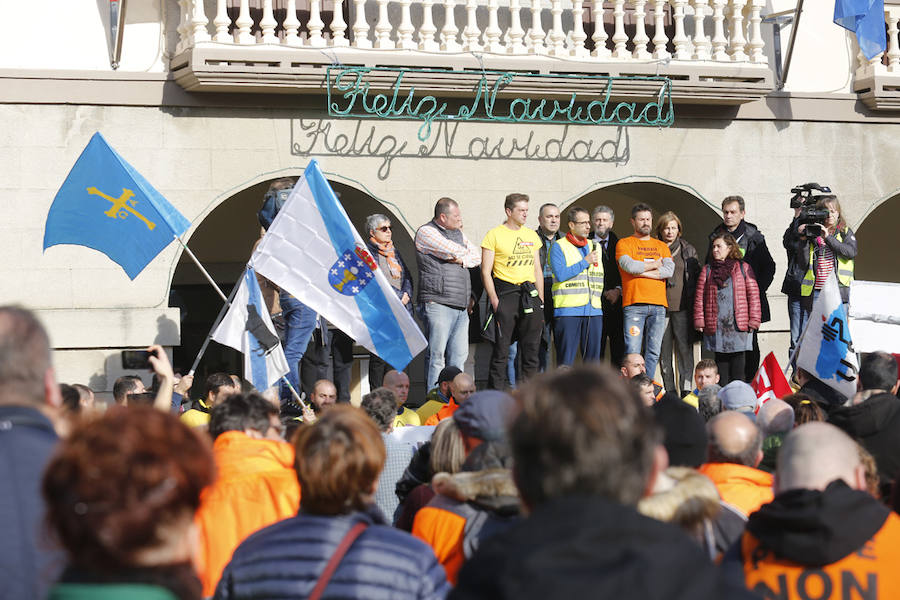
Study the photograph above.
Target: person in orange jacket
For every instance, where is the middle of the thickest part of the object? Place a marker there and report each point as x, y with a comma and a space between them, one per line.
734, 452
823, 535
257, 483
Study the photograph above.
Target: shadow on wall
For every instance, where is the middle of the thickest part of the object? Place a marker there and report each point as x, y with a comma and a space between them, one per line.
879, 244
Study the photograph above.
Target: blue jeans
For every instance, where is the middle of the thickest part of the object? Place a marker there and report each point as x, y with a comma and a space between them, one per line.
447, 330
644, 328
574, 332
299, 323
798, 317
511, 370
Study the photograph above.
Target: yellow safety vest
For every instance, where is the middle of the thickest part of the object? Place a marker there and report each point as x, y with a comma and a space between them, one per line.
585, 287
844, 270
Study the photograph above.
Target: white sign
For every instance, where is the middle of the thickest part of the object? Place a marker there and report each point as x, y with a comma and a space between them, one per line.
875, 316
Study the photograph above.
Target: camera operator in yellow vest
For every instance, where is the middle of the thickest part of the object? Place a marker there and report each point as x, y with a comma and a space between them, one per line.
825, 249
577, 291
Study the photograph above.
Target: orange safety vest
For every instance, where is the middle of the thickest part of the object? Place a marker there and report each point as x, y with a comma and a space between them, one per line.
743, 487
869, 573
446, 411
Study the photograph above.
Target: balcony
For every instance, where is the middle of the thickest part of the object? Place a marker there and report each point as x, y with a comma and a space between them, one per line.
711, 50
877, 81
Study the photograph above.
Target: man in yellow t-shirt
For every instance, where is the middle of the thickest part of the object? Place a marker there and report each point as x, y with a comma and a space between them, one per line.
514, 282
645, 264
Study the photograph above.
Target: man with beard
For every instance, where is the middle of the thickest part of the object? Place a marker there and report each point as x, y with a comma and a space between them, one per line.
644, 263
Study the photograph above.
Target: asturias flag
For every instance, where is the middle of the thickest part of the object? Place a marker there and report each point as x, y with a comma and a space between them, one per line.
247, 328
770, 381
105, 204
866, 19
312, 251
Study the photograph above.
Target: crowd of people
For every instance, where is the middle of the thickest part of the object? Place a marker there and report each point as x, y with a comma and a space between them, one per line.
584, 481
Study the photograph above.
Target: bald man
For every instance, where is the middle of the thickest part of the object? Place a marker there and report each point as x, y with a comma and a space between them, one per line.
823, 536
398, 382
734, 452
461, 388
775, 419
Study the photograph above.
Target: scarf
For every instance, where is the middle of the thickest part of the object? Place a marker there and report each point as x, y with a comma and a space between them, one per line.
579, 242
387, 251
720, 271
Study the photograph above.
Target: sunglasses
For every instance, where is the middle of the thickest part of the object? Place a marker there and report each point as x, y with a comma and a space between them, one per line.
384, 228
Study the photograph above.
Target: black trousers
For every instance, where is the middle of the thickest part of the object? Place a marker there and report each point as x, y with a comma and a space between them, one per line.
377, 369
333, 349
614, 333
528, 328
751, 363
731, 366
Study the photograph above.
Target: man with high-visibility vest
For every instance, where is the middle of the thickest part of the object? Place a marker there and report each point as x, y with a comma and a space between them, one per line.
577, 291
823, 536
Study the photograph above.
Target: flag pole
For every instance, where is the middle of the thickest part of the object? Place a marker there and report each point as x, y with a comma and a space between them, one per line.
205, 274
220, 316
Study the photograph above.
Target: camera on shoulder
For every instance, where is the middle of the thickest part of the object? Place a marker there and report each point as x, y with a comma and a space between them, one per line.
806, 198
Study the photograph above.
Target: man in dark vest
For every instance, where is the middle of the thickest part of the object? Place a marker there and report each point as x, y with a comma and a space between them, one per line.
445, 255
548, 231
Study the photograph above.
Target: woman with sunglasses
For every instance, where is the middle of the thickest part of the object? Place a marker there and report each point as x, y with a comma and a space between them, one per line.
379, 239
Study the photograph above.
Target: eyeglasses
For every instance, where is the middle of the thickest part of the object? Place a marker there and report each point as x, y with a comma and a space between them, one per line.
384, 228
582, 222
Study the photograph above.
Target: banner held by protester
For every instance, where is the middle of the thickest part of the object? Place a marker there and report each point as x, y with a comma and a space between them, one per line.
826, 349
247, 327
105, 204
770, 382
313, 252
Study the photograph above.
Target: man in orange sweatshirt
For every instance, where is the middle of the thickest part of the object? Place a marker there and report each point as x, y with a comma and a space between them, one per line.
257, 484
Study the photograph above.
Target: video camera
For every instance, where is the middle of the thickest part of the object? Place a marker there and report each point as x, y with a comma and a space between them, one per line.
805, 199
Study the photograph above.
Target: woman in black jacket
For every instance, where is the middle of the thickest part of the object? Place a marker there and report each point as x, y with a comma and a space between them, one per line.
680, 297
339, 459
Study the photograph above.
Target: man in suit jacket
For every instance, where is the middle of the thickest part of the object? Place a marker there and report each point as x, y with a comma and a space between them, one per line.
603, 219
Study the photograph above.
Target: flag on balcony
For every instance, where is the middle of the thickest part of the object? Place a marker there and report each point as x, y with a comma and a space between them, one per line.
826, 350
247, 328
312, 251
105, 204
866, 19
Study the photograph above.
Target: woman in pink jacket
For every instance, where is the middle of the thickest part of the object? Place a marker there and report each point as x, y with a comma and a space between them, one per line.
726, 307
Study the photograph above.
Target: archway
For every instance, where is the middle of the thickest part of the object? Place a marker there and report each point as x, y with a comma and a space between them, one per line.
223, 243
879, 243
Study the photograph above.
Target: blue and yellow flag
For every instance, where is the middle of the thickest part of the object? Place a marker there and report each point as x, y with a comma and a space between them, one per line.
105, 204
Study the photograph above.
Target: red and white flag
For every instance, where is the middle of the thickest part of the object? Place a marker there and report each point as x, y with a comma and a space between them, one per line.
770, 381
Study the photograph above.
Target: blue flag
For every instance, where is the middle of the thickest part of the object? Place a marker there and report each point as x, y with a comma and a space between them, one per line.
105, 204
866, 19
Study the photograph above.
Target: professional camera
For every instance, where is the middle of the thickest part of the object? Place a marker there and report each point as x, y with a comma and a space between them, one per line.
804, 199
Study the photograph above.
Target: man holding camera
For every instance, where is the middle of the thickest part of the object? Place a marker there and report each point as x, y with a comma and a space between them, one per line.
818, 243
753, 246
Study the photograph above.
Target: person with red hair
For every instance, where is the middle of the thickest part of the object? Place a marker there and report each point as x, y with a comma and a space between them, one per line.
121, 493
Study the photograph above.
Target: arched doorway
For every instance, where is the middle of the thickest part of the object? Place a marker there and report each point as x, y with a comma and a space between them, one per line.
879, 244
223, 243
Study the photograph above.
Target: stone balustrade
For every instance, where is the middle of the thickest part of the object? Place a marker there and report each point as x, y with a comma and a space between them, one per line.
693, 41
878, 80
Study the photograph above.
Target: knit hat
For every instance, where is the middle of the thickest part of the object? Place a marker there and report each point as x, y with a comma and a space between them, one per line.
684, 429
739, 396
486, 415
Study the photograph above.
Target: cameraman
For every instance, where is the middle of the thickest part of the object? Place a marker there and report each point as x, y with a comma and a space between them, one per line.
815, 250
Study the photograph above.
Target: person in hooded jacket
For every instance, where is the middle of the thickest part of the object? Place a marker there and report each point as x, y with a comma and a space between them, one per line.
823, 535
339, 459
585, 451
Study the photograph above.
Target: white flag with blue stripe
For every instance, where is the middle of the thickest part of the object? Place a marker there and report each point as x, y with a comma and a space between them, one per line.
247, 327
312, 251
826, 349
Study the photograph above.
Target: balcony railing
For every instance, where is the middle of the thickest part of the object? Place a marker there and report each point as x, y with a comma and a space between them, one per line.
713, 50
877, 81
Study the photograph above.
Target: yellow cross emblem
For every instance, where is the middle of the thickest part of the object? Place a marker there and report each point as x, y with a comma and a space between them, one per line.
121, 206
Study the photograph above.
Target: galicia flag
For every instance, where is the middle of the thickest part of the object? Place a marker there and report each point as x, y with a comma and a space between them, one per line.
247, 328
770, 381
313, 252
866, 19
105, 204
